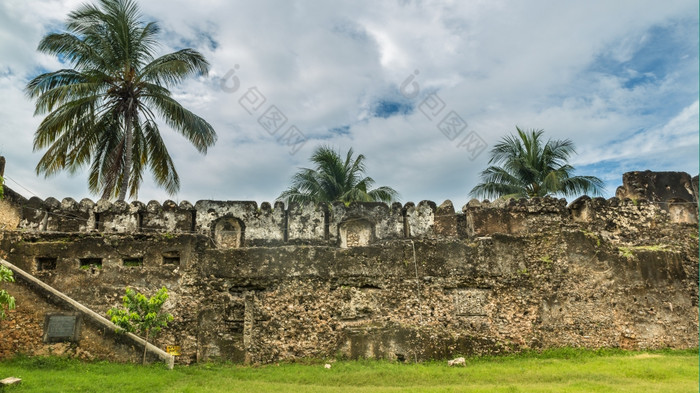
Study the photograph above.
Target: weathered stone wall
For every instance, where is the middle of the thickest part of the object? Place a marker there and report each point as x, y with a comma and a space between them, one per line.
243, 224
660, 187
23, 329
266, 283
27, 329
550, 283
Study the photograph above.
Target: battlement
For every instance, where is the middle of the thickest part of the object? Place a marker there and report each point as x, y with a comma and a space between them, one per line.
233, 224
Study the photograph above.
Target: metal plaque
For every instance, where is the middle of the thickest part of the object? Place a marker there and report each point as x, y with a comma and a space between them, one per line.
62, 327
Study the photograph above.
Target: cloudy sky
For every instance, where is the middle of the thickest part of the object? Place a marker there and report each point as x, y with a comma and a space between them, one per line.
422, 88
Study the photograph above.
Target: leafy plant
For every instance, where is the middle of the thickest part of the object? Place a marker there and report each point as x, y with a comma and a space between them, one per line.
141, 314
6, 300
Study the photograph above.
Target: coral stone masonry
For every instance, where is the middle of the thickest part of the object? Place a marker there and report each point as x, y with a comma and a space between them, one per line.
263, 283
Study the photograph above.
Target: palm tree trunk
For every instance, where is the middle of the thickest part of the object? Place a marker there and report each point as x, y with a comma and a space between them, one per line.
127, 160
145, 346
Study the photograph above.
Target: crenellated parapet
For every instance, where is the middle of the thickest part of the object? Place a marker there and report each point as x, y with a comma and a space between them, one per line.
514, 216
241, 223
420, 219
307, 223
359, 224
169, 217
54, 216
233, 224
662, 188
632, 214
119, 216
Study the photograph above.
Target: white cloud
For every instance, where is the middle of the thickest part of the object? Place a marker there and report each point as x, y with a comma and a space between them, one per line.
325, 64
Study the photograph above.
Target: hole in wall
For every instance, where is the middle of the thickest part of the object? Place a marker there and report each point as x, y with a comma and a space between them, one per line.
171, 258
88, 263
46, 263
132, 262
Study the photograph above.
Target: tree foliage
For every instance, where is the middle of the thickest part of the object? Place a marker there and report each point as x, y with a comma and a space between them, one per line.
6, 300
335, 179
102, 112
141, 314
527, 166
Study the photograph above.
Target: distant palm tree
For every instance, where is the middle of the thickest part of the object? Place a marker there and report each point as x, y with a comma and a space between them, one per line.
530, 168
335, 179
103, 110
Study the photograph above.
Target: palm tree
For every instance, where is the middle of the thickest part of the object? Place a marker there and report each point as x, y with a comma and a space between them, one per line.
104, 109
530, 168
335, 180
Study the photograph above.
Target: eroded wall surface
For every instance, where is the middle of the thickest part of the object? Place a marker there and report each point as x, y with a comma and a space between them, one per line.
268, 283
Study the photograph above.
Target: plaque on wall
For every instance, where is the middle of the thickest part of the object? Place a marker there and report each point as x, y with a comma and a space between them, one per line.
62, 327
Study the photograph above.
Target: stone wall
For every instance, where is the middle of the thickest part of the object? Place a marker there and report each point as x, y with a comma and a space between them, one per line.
23, 329
267, 283
525, 274
401, 300
660, 187
244, 224
32, 329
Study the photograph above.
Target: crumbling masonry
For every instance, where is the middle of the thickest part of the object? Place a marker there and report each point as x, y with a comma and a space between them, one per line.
267, 283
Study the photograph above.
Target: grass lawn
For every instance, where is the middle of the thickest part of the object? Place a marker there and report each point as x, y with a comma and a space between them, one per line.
563, 370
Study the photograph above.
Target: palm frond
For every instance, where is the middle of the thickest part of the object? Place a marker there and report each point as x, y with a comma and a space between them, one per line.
173, 68
101, 112
528, 167
335, 179
194, 128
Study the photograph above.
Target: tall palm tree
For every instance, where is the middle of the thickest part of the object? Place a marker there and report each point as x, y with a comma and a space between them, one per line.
104, 109
530, 167
335, 179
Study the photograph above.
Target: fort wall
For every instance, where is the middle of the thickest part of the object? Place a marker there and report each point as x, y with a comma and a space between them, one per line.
270, 282
328, 224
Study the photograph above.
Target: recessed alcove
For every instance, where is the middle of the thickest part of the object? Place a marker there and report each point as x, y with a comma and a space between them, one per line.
46, 263
229, 232
355, 232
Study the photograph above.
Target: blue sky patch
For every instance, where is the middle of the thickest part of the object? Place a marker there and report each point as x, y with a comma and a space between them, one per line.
388, 108
655, 54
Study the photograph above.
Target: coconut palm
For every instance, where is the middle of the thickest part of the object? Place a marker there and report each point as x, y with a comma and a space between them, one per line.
335, 179
103, 110
526, 166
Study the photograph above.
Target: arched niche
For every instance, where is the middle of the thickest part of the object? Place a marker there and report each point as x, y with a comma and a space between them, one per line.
355, 232
228, 232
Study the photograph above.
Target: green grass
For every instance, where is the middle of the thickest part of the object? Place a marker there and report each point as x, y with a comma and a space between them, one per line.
563, 370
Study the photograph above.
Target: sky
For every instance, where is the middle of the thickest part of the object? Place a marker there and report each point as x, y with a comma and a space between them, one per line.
424, 89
